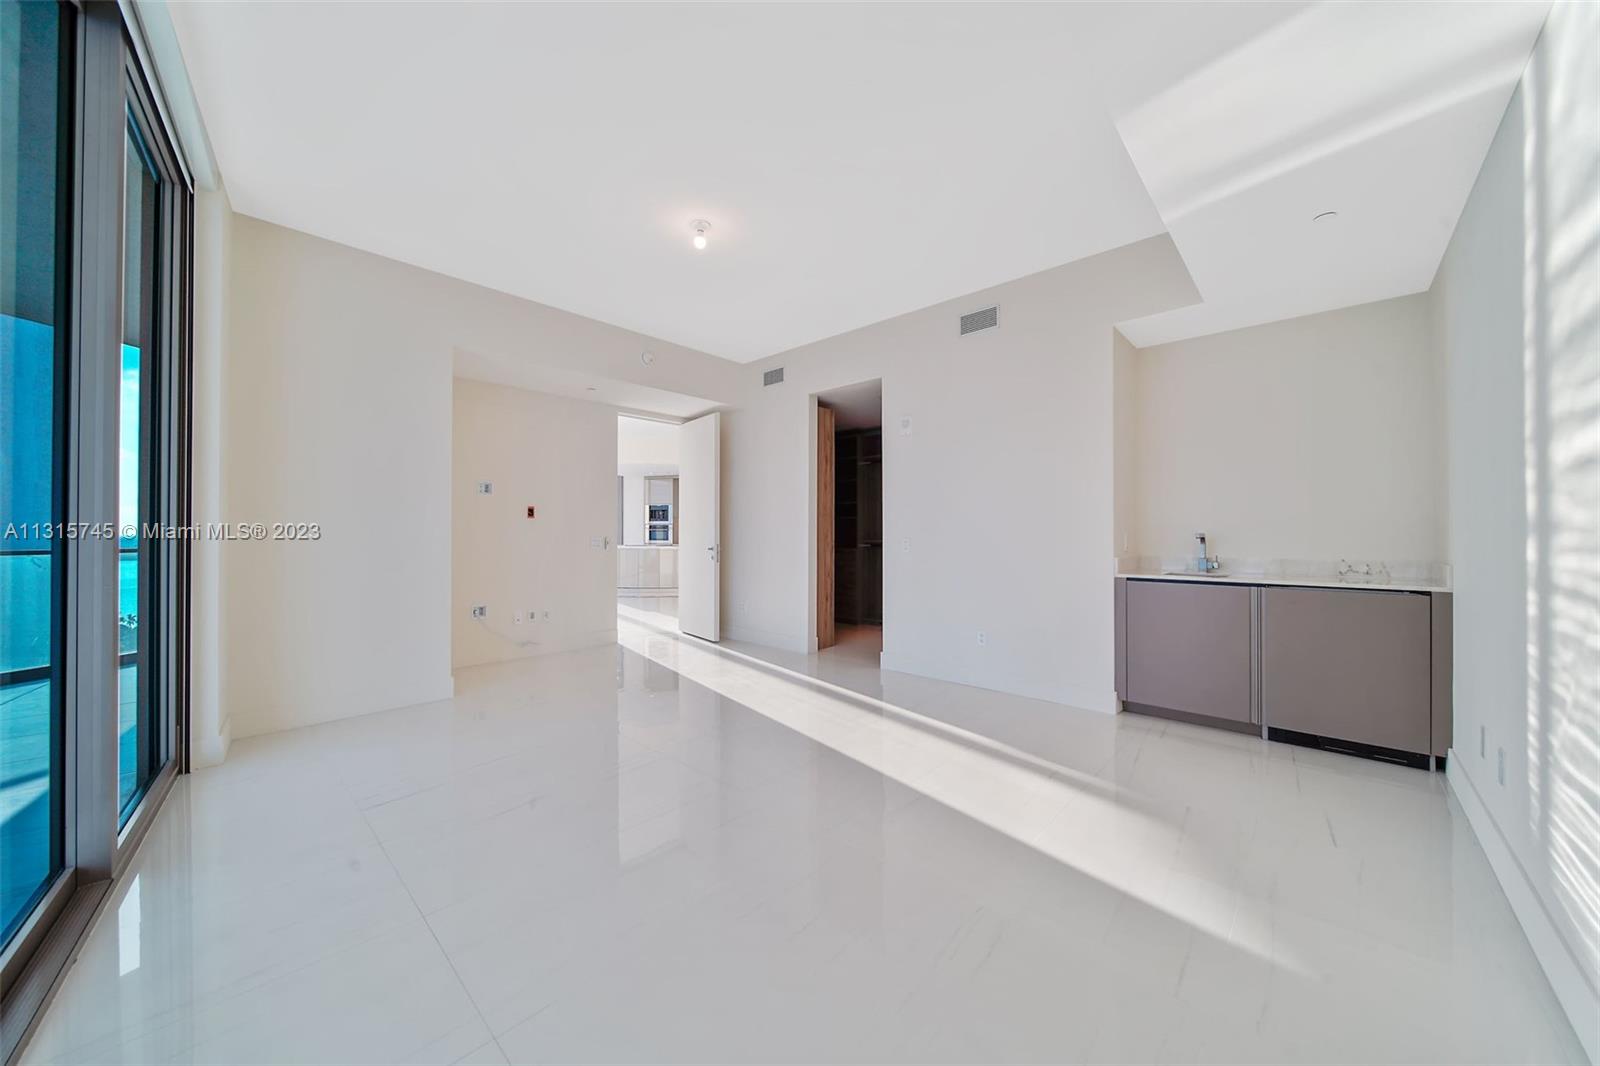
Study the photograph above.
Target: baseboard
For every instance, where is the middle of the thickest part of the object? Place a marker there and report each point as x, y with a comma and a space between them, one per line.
1572, 988
279, 720
587, 639
1083, 701
767, 638
212, 751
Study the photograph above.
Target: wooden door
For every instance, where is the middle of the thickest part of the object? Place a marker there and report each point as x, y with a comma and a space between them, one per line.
827, 631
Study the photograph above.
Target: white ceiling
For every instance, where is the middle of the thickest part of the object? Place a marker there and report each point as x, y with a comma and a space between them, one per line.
855, 161
1381, 112
860, 161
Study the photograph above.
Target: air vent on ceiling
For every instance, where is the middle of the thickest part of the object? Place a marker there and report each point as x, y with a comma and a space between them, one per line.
772, 377
985, 319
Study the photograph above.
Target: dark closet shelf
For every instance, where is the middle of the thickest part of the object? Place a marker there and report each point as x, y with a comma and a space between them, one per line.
858, 526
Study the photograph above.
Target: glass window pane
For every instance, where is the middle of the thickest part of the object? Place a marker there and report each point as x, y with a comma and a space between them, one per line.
138, 755
31, 473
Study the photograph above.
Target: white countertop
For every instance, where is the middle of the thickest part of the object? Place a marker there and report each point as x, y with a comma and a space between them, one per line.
1299, 582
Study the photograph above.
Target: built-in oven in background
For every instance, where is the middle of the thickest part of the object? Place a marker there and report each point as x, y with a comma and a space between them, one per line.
659, 527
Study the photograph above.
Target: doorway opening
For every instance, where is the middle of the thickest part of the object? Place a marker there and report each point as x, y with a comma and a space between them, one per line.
669, 520
648, 516
850, 516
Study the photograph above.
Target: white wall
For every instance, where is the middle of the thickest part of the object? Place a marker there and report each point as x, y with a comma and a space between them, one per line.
559, 455
1315, 438
633, 509
642, 442
1518, 320
997, 504
210, 724
337, 410
1124, 444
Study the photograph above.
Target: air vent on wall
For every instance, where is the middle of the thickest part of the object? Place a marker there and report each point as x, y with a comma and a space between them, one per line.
772, 377
972, 323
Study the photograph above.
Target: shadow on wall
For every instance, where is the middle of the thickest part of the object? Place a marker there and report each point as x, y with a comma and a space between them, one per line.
1561, 379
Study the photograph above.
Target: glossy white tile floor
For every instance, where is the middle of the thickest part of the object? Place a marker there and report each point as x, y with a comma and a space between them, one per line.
662, 852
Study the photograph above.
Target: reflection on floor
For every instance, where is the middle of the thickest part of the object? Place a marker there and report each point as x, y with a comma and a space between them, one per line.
25, 782
661, 608
852, 662
667, 851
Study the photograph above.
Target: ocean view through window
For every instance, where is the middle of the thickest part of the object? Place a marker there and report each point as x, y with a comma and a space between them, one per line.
137, 755
32, 475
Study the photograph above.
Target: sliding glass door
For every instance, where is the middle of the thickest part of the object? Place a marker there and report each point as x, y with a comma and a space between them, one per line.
95, 213
32, 468
139, 755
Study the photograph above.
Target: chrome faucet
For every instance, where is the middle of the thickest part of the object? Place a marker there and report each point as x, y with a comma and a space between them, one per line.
1205, 564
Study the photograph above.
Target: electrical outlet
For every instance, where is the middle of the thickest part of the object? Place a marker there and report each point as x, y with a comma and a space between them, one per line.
547, 616
485, 488
1502, 767
480, 610
516, 618
533, 614
905, 544
983, 639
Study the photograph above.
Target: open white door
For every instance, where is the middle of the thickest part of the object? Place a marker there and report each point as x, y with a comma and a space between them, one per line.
699, 527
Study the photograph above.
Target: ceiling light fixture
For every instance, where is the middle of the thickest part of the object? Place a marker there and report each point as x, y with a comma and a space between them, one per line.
700, 226
1324, 216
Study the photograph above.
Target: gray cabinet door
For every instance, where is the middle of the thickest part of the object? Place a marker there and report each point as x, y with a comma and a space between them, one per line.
1353, 665
1188, 647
